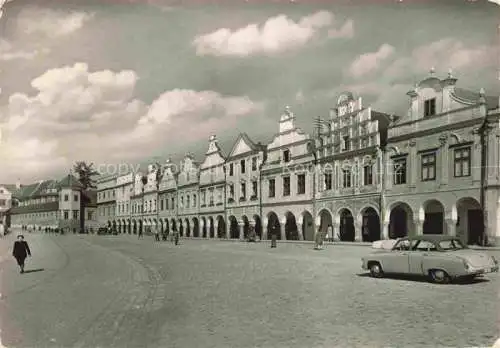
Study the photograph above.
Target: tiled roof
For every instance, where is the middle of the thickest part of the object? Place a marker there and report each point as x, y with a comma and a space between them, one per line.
10, 187
491, 101
70, 181
35, 208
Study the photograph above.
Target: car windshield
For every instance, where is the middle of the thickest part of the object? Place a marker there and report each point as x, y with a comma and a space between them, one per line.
451, 244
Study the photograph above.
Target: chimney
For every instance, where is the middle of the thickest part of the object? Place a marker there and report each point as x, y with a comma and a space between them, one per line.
18, 184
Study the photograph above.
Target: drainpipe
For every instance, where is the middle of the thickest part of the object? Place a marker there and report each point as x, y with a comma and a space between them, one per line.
483, 133
264, 158
315, 160
383, 168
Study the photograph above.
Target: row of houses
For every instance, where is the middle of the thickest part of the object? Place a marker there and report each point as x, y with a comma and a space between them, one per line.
364, 175
53, 204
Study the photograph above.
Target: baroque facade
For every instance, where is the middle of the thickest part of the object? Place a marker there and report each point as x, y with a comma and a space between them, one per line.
364, 175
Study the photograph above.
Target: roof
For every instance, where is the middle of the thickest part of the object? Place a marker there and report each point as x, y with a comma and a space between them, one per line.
253, 146
491, 101
10, 187
35, 208
70, 181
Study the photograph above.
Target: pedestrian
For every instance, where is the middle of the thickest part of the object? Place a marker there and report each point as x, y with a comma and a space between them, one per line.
176, 237
274, 237
20, 251
157, 234
140, 233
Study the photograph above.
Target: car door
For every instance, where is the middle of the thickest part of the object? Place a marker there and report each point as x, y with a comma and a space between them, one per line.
397, 260
420, 251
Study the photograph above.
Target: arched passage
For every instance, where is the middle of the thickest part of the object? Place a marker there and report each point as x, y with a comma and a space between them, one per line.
370, 225
291, 230
211, 227
233, 228
346, 227
434, 217
196, 228
470, 221
273, 226
326, 224
188, 228
400, 220
221, 227
258, 226
246, 227
307, 226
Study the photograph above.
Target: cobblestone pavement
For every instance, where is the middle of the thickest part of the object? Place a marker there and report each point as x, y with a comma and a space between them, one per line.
117, 291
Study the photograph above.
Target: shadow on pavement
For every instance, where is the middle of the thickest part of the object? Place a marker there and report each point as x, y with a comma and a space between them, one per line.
421, 279
34, 270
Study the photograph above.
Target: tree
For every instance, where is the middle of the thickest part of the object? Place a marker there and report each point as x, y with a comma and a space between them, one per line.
86, 174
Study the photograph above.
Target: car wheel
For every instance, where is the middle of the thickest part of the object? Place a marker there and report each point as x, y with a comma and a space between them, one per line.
439, 276
376, 270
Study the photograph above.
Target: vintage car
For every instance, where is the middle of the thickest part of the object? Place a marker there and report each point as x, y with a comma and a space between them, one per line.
441, 258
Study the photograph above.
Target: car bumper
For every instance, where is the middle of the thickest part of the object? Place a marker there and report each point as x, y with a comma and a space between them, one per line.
483, 270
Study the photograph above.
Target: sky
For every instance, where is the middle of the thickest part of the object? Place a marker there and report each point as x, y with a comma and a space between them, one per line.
129, 82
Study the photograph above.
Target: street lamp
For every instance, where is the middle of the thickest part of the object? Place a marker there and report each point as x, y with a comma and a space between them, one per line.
144, 180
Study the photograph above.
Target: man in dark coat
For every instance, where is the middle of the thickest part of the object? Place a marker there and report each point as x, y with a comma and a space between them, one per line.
274, 236
20, 251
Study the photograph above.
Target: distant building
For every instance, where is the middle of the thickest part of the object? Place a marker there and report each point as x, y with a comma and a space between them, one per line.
6, 191
187, 195
106, 201
53, 204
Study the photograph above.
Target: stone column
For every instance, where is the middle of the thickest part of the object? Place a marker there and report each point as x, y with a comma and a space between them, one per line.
451, 227
476, 156
385, 230
283, 232
419, 224
216, 226
300, 230
358, 236
265, 227
241, 230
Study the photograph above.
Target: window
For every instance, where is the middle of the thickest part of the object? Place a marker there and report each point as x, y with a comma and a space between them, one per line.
231, 190
66, 214
347, 143
243, 190
231, 169
301, 184
399, 171
211, 197
166, 203
462, 162
254, 188
75, 214
254, 163
188, 201
272, 187
3, 202
75, 197
194, 200
346, 175
242, 164
286, 155
328, 181
428, 170
173, 203
368, 175
425, 245
182, 202
286, 186
66, 198
430, 107
161, 204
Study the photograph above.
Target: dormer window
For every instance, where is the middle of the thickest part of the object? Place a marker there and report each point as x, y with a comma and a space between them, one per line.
286, 156
430, 107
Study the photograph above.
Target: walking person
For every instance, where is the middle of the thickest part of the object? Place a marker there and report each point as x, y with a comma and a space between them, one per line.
20, 251
274, 237
157, 234
176, 237
140, 233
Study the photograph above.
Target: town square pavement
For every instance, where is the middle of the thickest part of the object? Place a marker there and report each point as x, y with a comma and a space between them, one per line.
118, 291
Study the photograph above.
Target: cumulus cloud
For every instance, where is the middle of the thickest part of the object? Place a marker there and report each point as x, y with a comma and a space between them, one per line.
35, 28
444, 54
346, 31
277, 34
370, 62
79, 114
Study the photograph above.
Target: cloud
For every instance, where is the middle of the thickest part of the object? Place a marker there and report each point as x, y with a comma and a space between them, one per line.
277, 34
347, 31
49, 22
78, 114
36, 29
444, 54
370, 62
